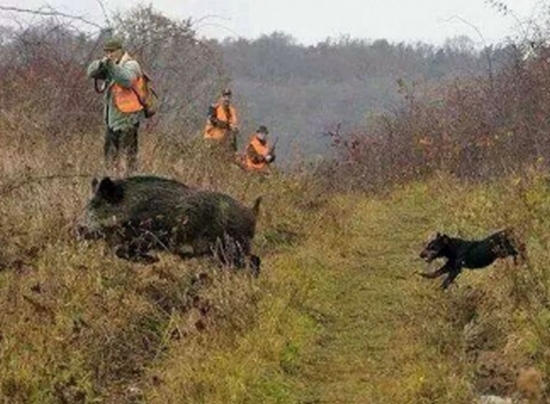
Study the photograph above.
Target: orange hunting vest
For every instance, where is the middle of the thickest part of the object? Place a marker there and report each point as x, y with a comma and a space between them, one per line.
126, 99
261, 149
213, 132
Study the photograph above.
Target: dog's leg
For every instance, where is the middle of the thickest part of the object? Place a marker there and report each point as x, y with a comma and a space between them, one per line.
435, 274
450, 278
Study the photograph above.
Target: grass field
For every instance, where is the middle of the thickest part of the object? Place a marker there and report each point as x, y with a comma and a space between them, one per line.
338, 314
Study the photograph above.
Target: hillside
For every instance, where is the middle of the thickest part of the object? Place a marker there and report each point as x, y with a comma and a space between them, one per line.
303, 92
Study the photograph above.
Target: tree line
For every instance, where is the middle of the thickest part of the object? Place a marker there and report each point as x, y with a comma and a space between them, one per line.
304, 94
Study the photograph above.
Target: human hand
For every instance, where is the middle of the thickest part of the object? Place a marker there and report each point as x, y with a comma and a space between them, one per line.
104, 60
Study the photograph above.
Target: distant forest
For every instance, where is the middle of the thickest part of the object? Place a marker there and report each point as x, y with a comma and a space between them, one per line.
303, 92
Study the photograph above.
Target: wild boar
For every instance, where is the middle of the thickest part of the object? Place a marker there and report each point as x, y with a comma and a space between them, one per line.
137, 215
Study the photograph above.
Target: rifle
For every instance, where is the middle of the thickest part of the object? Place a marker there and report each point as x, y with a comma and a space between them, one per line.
270, 158
273, 146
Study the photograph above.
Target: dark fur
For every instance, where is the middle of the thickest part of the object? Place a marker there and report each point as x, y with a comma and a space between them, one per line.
472, 254
137, 215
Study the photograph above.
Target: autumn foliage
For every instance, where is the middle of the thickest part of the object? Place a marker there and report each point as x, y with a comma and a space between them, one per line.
475, 128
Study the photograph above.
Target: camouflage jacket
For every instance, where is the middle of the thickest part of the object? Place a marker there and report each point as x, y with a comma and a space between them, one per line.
123, 73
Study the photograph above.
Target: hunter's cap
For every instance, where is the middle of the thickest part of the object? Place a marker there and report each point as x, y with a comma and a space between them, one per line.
262, 129
226, 91
112, 44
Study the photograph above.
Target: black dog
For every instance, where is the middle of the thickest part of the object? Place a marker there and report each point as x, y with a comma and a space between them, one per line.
469, 253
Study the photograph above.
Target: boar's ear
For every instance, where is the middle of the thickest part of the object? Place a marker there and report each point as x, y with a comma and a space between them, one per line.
110, 191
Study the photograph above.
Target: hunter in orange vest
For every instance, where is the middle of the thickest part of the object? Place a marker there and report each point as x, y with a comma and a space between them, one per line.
122, 85
222, 121
258, 154
128, 99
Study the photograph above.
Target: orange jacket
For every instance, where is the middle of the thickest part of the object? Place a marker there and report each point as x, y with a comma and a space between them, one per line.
212, 131
256, 154
126, 99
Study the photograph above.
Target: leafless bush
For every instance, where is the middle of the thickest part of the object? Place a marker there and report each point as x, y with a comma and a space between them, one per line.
475, 128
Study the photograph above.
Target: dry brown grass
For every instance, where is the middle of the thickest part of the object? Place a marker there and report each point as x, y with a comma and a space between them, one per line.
336, 316
80, 325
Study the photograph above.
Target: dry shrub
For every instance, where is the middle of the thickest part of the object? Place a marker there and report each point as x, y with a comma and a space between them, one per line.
530, 383
475, 128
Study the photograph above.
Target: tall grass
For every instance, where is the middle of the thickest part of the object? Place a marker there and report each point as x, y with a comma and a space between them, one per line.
337, 315
79, 325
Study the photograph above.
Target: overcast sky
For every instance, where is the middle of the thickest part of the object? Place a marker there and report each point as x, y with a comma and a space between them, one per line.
309, 21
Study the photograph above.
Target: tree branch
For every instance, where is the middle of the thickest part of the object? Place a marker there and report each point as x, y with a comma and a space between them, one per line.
52, 13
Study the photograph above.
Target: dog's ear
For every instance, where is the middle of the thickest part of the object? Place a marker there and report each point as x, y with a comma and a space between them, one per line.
445, 238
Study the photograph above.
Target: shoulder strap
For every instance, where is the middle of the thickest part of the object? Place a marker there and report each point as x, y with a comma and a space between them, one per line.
137, 94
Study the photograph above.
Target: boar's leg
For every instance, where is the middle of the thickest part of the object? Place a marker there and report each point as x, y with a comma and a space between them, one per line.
130, 249
235, 253
230, 252
255, 264
184, 255
130, 253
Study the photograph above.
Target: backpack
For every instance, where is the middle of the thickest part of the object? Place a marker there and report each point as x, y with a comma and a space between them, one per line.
150, 100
